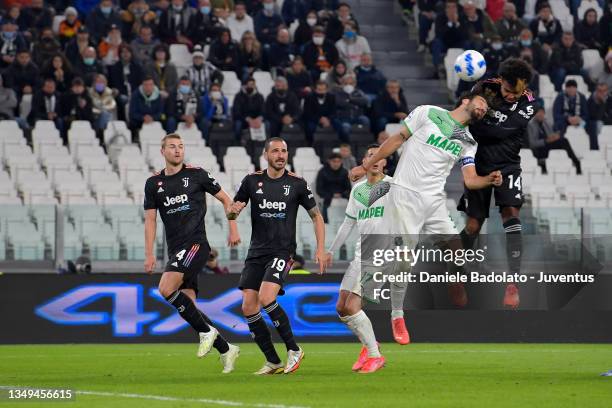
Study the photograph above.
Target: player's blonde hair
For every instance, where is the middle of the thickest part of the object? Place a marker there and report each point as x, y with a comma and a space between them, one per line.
170, 136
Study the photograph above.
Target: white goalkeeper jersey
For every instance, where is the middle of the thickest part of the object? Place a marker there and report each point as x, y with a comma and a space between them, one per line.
436, 143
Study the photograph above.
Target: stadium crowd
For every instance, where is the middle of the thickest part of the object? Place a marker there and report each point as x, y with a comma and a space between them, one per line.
106, 60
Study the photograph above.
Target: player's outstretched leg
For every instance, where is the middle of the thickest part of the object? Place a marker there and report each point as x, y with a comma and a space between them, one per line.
267, 297
169, 285
350, 313
514, 250
260, 333
398, 325
607, 374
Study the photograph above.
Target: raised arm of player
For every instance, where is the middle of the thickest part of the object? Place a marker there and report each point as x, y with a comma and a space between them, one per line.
388, 147
319, 228
150, 227
343, 232
474, 182
234, 236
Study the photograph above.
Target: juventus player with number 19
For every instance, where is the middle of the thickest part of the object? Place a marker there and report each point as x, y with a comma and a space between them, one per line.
179, 193
276, 195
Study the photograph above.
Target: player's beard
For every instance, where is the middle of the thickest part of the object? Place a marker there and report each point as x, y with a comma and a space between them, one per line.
277, 166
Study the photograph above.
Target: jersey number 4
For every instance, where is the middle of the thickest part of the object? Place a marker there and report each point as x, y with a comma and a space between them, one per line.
512, 183
181, 254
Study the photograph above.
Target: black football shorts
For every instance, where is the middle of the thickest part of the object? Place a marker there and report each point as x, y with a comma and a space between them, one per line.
189, 259
475, 203
269, 268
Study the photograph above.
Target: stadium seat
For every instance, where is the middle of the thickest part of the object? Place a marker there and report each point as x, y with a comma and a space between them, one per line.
57, 20
180, 55
324, 141
231, 84
116, 131
593, 62
264, 82
579, 139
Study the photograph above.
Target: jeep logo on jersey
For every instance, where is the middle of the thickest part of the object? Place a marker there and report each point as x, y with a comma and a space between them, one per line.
179, 199
444, 144
273, 205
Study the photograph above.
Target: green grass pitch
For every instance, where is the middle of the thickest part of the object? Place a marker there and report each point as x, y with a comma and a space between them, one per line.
417, 375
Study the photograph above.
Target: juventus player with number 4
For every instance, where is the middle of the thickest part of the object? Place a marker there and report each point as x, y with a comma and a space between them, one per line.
179, 193
275, 196
500, 136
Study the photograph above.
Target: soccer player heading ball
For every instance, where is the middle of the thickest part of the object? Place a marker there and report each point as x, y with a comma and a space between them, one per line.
179, 193
500, 135
276, 195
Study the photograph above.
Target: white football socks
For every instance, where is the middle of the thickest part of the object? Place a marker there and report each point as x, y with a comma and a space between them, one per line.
361, 326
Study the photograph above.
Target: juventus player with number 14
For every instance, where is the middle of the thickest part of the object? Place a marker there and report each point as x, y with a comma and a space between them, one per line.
276, 195
179, 193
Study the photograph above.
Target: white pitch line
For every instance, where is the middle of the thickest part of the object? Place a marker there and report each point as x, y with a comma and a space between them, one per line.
174, 399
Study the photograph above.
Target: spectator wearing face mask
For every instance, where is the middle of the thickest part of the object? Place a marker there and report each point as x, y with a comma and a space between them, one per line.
69, 27
369, 79
351, 106
103, 100
102, 18
206, 25
215, 108
11, 42
76, 104
202, 73
282, 107
240, 22
352, 46
176, 23
88, 66
184, 106
300, 81
320, 55
539, 56
337, 22
304, 31
267, 21
248, 109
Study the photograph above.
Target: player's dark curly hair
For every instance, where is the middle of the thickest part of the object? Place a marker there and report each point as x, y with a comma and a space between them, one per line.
514, 70
476, 90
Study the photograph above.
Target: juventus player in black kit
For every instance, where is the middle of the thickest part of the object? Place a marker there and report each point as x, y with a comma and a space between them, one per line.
179, 193
500, 135
276, 195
